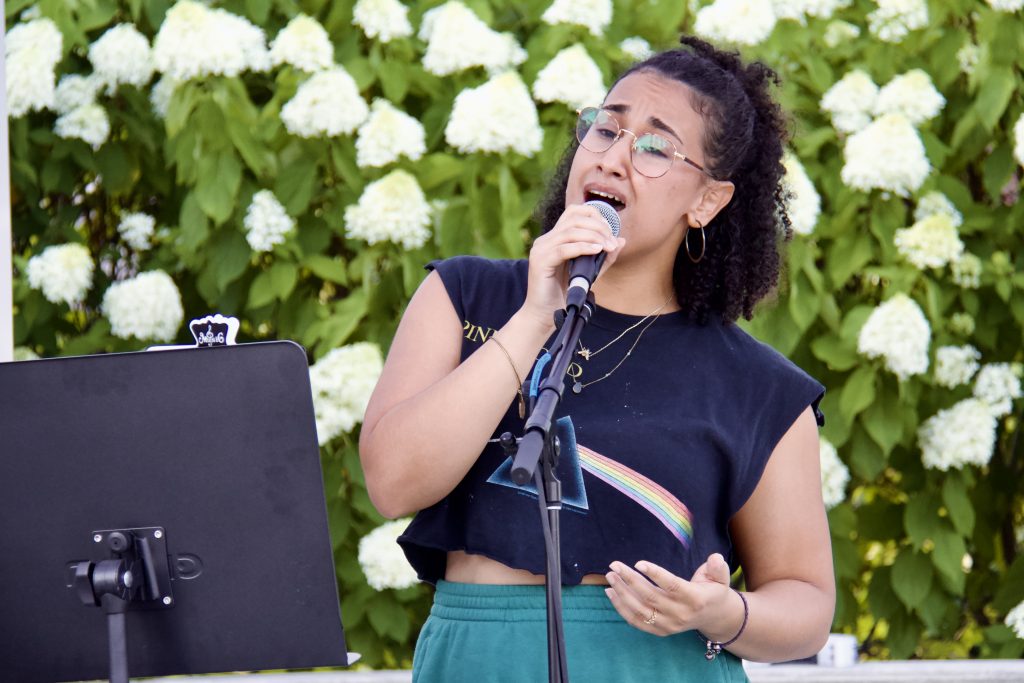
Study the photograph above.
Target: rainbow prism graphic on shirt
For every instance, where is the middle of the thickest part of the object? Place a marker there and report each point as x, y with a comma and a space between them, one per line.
574, 459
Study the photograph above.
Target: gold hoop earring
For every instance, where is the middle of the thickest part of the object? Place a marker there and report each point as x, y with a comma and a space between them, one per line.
703, 242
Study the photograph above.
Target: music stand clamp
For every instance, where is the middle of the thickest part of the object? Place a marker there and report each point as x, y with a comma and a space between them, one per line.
134, 575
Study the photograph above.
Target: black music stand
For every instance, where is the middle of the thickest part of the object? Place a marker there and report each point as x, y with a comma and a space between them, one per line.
205, 461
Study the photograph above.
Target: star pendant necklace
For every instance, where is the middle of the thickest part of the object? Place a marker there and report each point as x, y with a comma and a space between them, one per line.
587, 354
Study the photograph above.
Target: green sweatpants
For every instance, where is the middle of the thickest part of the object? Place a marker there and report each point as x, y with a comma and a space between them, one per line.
497, 634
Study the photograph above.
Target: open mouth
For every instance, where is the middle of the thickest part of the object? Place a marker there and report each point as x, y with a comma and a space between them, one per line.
607, 197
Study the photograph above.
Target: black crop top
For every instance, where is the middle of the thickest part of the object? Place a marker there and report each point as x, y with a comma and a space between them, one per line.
667, 448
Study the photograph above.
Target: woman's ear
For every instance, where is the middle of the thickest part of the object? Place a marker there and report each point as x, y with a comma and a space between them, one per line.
715, 197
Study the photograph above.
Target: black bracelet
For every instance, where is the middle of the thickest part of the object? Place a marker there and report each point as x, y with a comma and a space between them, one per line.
715, 647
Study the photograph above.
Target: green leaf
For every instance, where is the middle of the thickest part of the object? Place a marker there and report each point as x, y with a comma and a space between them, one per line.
231, 255
261, 292
394, 79
857, 251
958, 503
858, 392
324, 267
994, 95
948, 558
996, 170
296, 185
912, 577
193, 227
283, 276
388, 618
883, 420
343, 321
839, 354
866, 459
437, 169
217, 187
804, 302
921, 518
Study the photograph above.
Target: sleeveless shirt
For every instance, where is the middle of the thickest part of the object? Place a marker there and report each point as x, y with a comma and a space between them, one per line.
663, 453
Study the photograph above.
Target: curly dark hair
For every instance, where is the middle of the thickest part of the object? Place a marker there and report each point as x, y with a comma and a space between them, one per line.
745, 131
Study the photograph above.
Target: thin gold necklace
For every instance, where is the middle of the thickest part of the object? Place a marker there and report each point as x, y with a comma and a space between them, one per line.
578, 386
587, 354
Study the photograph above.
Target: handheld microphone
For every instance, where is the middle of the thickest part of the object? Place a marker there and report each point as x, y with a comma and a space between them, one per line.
583, 270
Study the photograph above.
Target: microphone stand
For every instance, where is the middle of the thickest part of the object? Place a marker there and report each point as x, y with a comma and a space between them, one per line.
539, 445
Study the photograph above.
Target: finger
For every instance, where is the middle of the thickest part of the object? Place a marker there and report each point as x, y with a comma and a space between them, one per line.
633, 612
613, 254
718, 568
663, 578
585, 216
643, 591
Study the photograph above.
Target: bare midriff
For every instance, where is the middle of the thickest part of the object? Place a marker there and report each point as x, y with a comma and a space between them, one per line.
466, 568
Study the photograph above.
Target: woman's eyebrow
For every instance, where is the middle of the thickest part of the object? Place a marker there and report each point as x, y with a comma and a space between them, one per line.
653, 121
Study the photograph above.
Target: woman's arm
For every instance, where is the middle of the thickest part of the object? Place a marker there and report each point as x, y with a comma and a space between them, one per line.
781, 534
430, 416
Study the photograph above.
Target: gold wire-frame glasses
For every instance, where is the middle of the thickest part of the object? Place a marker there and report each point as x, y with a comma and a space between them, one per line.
651, 154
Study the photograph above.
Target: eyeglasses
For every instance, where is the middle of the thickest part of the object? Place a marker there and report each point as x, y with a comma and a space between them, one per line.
651, 154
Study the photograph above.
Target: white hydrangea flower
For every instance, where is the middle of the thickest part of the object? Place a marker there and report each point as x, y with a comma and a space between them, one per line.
122, 55
88, 122
804, 203
160, 96
887, 155
74, 91
328, 104
966, 271
480, 118
1018, 140
936, 202
304, 44
388, 134
894, 19
968, 57
998, 386
571, 77
24, 353
266, 222
823, 9
196, 41
637, 48
911, 94
850, 101
32, 50
962, 435
147, 306
1006, 6
457, 39
594, 15
931, 242
342, 382
1015, 620
382, 559
898, 332
834, 475
838, 32
137, 230
384, 20
392, 208
740, 22
62, 272
956, 365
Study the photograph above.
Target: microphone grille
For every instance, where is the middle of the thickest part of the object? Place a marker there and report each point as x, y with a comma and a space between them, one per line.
610, 215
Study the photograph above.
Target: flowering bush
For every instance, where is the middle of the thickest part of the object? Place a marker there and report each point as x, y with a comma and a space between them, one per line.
173, 159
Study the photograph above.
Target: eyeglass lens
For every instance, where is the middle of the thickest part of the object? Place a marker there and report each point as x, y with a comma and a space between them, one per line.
651, 154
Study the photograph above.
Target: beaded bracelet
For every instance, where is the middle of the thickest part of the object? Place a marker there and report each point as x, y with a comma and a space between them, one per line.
519, 382
715, 647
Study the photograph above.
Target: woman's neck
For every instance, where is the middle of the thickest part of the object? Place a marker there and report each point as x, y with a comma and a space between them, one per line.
635, 291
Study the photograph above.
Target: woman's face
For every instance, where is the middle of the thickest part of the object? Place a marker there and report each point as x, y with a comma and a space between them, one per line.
654, 211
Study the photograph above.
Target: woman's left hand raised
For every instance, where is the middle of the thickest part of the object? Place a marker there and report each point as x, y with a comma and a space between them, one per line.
655, 600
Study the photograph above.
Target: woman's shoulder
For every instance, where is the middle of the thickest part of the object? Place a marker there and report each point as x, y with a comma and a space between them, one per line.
469, 268
483, 290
